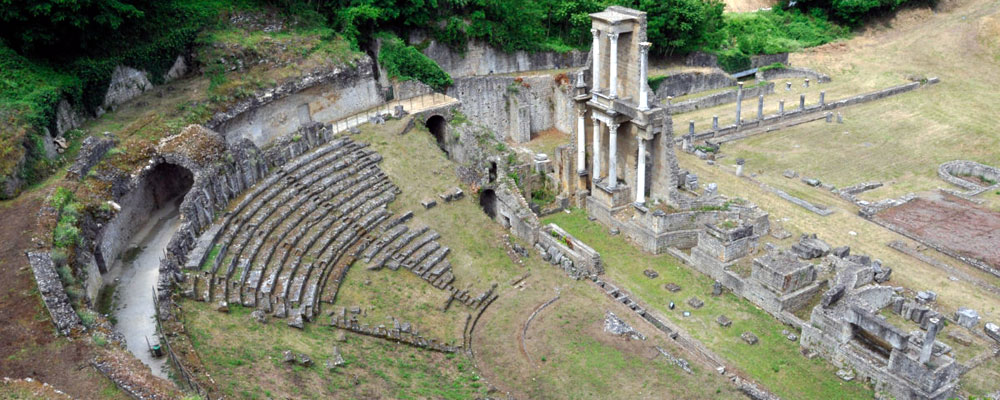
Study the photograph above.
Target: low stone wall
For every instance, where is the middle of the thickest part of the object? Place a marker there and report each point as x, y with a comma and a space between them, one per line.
683, 83
790, 72
53, 293
720, 98
952, 170
763, 60
481, 59
579, 261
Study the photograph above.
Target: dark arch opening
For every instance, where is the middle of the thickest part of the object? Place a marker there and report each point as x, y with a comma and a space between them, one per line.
436, 125
488, 202
169, 182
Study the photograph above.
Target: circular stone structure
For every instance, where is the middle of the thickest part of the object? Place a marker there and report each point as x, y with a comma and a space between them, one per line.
959, 172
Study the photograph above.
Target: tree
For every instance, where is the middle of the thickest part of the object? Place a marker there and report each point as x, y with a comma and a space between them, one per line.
682, 25
40, 25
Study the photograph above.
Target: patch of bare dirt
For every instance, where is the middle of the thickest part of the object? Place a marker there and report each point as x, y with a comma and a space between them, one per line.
29, 345
951, 223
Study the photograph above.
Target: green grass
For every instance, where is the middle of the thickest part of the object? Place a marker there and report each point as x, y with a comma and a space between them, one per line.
233, 348
774, 361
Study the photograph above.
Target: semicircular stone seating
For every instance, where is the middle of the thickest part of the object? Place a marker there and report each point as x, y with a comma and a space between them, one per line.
287, 244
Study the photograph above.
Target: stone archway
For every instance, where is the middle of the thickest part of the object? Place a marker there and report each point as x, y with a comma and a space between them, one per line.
168, 182
437, 125
488, 202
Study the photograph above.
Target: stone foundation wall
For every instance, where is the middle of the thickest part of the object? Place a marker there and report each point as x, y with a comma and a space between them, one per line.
720, 98
790, 72
516, 110
481, 59
580, 260
683, 83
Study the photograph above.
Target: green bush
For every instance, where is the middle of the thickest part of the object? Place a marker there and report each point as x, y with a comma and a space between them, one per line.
733, 60
404, 62
654, 82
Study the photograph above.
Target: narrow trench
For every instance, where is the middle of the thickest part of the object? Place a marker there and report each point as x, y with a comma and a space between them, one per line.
138, 269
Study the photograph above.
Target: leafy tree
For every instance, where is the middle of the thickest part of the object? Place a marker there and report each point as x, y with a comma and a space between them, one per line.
42, 24
682, 25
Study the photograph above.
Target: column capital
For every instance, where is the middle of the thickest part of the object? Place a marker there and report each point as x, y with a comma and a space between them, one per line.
613, 35
614, 127
581, 112
644, 47
639, 139
594, 117
595, 32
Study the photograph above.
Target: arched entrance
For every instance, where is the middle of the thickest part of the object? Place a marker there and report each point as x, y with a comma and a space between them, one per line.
437, 126
488, 202
168, 182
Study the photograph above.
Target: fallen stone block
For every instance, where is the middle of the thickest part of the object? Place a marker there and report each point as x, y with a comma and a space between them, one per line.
259, 316
724, 321
926, 296
960, 338
428, 203
650, 273
749, 337
672, 287
790, 174
992, 330
967, 317
846, 374
811, 182
695, 302
841, 252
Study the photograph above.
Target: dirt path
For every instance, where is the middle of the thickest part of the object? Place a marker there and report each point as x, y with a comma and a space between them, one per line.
29, 346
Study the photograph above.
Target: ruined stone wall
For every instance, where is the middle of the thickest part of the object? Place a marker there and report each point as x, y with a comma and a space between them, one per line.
516, 110
321, 96
720, 98
683, 83
791, 72
481, 59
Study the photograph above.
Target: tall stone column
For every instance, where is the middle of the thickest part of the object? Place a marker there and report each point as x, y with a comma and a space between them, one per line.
643, 71
932, 330
596, 51
760, 108
581, 141
640, 173
613, 71
739, 103
596, 175
613, 156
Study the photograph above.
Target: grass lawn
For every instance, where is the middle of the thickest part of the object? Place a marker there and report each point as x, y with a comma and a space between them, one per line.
245, 359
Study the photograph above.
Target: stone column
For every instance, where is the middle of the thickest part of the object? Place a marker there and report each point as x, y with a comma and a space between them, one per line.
739, 103
596, 51
643, 57
715, 122
596, 158
822, 98
691, 128
640, 173
932, 329
581, 141
781, 107
760, 108
613, 156
613, 70
802, 102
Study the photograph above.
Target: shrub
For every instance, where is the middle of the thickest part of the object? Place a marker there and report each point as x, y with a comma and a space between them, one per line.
404, 62
654, 82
